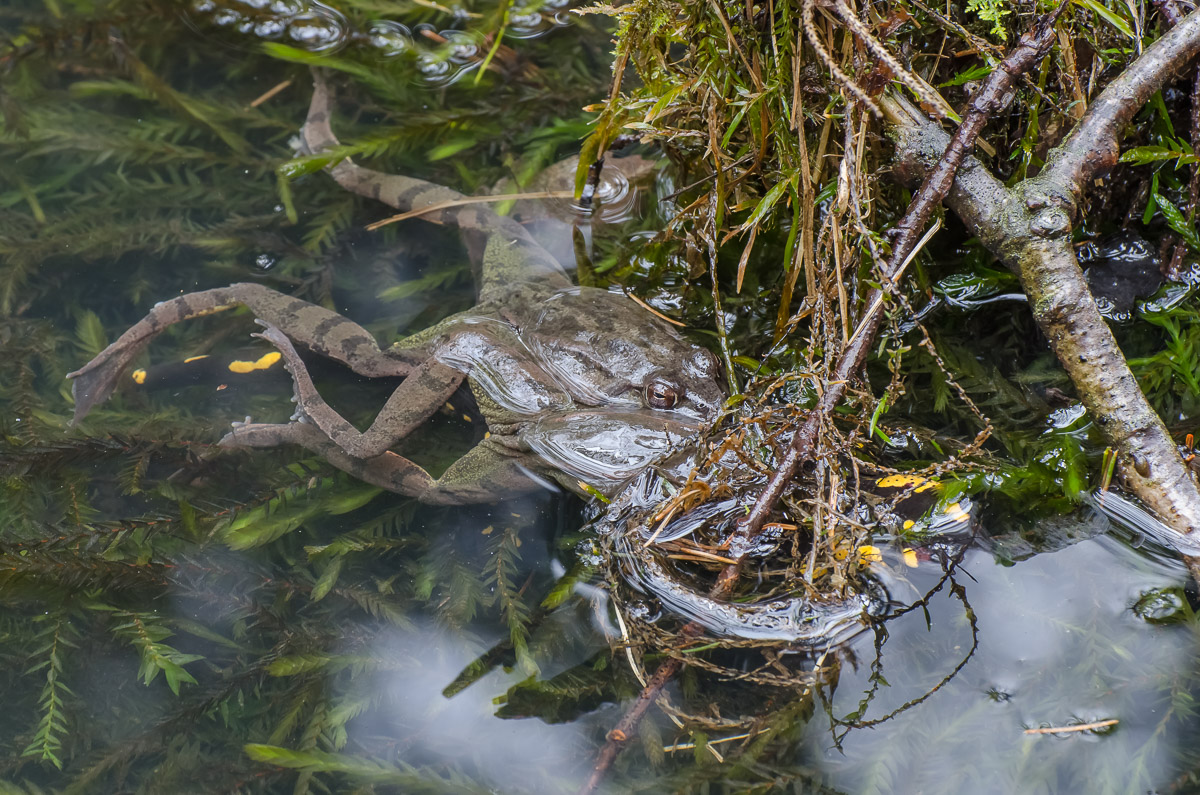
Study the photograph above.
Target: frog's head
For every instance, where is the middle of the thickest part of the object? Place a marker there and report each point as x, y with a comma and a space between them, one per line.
687, 383
606, 448
605, 350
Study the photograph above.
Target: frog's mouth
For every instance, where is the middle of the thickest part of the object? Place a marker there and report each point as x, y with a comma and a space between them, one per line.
605, 448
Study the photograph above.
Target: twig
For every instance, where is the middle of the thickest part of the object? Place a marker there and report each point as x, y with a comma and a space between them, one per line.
987, 101
270, 93
1029, 228
593, 181
439, 206
891, 282
627, 727
654, 311
1080, 727
814, 41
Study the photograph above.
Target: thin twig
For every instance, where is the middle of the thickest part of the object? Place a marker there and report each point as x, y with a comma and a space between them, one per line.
438, 206
625, 730
989, 100
270, 93
654, 311
1080, 727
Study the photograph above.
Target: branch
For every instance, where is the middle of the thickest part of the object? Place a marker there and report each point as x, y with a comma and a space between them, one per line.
991, 98
1093, 147
1029, 228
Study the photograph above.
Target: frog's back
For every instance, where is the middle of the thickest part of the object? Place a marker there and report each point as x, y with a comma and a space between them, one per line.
604, 348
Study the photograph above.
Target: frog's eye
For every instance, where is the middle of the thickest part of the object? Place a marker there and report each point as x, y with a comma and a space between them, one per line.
661, 395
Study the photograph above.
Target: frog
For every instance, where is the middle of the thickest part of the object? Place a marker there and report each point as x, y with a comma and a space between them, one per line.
580, 387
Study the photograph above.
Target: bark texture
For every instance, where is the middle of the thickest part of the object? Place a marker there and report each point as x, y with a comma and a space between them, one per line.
1028, 227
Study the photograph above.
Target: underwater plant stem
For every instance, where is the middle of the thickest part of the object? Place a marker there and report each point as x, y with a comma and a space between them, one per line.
626, 729
1028, 227
992, 96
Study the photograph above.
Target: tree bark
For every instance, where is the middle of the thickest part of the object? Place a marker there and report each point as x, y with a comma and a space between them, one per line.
1028, 227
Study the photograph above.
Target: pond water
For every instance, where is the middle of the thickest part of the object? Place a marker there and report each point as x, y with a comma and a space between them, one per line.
179, 618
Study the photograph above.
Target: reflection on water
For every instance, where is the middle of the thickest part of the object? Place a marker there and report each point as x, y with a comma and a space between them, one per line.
169, 612
1059, 644
440, 57
511, 755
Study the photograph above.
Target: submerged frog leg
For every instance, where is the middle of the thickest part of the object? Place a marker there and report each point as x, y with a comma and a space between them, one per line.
320, 330
422, 392
487, 473
510, 254
388, 471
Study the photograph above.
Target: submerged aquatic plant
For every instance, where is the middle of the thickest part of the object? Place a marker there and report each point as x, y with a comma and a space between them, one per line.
177, 620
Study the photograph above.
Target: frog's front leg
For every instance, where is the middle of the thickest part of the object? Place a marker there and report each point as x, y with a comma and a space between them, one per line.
388, 471
516, 386
320, 330
422, 392
489, 472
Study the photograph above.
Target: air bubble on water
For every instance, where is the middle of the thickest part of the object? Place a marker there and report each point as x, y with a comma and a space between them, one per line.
270, 28
319, 30
390, 38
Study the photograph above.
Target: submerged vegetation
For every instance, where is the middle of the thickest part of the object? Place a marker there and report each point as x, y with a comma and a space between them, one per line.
182, 620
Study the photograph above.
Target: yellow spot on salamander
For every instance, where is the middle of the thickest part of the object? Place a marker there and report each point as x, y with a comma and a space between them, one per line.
191, 359
868, 553
956, 512
908, 524
487, 531
487, 434
907, 481
467, 417
264, 362
138, 376
910, 558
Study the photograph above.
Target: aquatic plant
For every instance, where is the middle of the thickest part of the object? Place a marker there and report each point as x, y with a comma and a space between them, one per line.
181, 620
